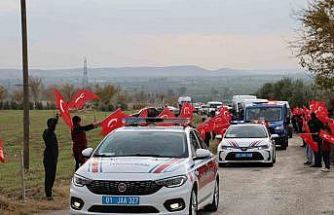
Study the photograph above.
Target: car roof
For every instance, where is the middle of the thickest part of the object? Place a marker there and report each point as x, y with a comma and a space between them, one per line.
155, 128
247, 125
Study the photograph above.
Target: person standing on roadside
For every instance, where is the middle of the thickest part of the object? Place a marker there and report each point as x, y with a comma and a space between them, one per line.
326, 150
50, 155
315, 126
79, 139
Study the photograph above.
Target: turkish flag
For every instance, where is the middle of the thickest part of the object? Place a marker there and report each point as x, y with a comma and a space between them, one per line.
2, 156
80, 98
63, 108
203, 128
187, 111
309, 140
320, 109
166, 114
326, 137
331, 125
113, 121
306, 127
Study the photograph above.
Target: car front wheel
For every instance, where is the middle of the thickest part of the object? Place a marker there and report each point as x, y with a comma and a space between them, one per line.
215, 201
193, 207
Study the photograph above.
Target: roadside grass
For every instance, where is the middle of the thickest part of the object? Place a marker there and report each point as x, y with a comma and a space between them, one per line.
11, 130
10, 182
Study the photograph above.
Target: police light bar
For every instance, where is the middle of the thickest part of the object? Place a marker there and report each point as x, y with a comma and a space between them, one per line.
139, 121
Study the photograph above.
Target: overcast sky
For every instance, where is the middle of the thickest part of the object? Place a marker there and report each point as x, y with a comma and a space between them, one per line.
251, 34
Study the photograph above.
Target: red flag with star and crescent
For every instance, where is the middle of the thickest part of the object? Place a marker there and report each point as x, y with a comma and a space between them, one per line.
166, 114
187, 111
63, 108
80, 98
327, 137
113, 121
2, 154
309, 140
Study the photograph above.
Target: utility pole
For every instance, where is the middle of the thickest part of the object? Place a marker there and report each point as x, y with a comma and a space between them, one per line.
25, 85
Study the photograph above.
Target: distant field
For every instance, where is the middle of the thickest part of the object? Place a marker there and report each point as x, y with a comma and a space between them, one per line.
11, 133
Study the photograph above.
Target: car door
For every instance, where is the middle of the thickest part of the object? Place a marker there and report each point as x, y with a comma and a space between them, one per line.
211, 164
201, 170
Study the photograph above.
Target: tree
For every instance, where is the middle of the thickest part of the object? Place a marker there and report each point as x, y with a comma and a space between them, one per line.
67, 90
316, 44
106, 93
35, 85
17, 96
2, 93
295, 91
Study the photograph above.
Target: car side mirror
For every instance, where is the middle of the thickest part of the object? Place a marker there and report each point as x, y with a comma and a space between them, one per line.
87, 152
273, 136
202, 154
219, 137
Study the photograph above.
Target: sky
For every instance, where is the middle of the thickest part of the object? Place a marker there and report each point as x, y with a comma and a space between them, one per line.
240, 34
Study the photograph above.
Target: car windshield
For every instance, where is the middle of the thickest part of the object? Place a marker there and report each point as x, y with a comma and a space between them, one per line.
270, 114
144, 143
250, 131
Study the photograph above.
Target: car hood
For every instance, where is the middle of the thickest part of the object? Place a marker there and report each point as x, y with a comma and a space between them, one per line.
244, 142
132, 165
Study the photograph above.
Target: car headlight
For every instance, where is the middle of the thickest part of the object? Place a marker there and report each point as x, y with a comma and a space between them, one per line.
278, 128
80, 181
226, 147
176, 181
263, 147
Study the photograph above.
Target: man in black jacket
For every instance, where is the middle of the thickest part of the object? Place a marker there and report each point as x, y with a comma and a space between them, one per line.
315, 126
50, 155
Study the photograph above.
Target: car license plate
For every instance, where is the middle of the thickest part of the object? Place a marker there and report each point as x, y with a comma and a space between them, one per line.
243, 155
120, 200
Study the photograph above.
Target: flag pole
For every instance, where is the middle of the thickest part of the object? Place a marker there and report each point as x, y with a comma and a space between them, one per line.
25, 85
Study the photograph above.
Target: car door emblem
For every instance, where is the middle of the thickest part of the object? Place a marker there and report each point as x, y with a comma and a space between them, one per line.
122, 187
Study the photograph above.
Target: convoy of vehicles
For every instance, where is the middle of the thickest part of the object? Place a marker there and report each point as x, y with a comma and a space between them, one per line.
247, 143
129, 173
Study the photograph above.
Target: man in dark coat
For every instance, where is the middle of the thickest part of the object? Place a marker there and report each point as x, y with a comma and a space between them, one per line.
50, 155
315, 126
80, 140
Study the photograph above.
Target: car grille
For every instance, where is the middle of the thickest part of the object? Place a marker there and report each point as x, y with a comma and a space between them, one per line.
132, 187
123, 209
232, 156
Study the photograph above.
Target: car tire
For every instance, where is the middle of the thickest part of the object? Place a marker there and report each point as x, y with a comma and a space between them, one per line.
222, 165
215, 201
274, 158
270, 164
193, 205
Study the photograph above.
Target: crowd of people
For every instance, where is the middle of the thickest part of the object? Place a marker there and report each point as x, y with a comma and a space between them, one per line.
316, 127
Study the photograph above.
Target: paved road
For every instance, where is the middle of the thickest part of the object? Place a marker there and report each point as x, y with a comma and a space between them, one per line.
287, 188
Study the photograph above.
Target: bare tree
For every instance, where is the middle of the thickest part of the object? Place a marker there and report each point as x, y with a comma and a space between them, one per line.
17, 96
35, 85
106, 92
2, 93
67, 91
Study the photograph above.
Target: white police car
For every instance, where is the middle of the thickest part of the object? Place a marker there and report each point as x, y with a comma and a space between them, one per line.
247, 143
147, 170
